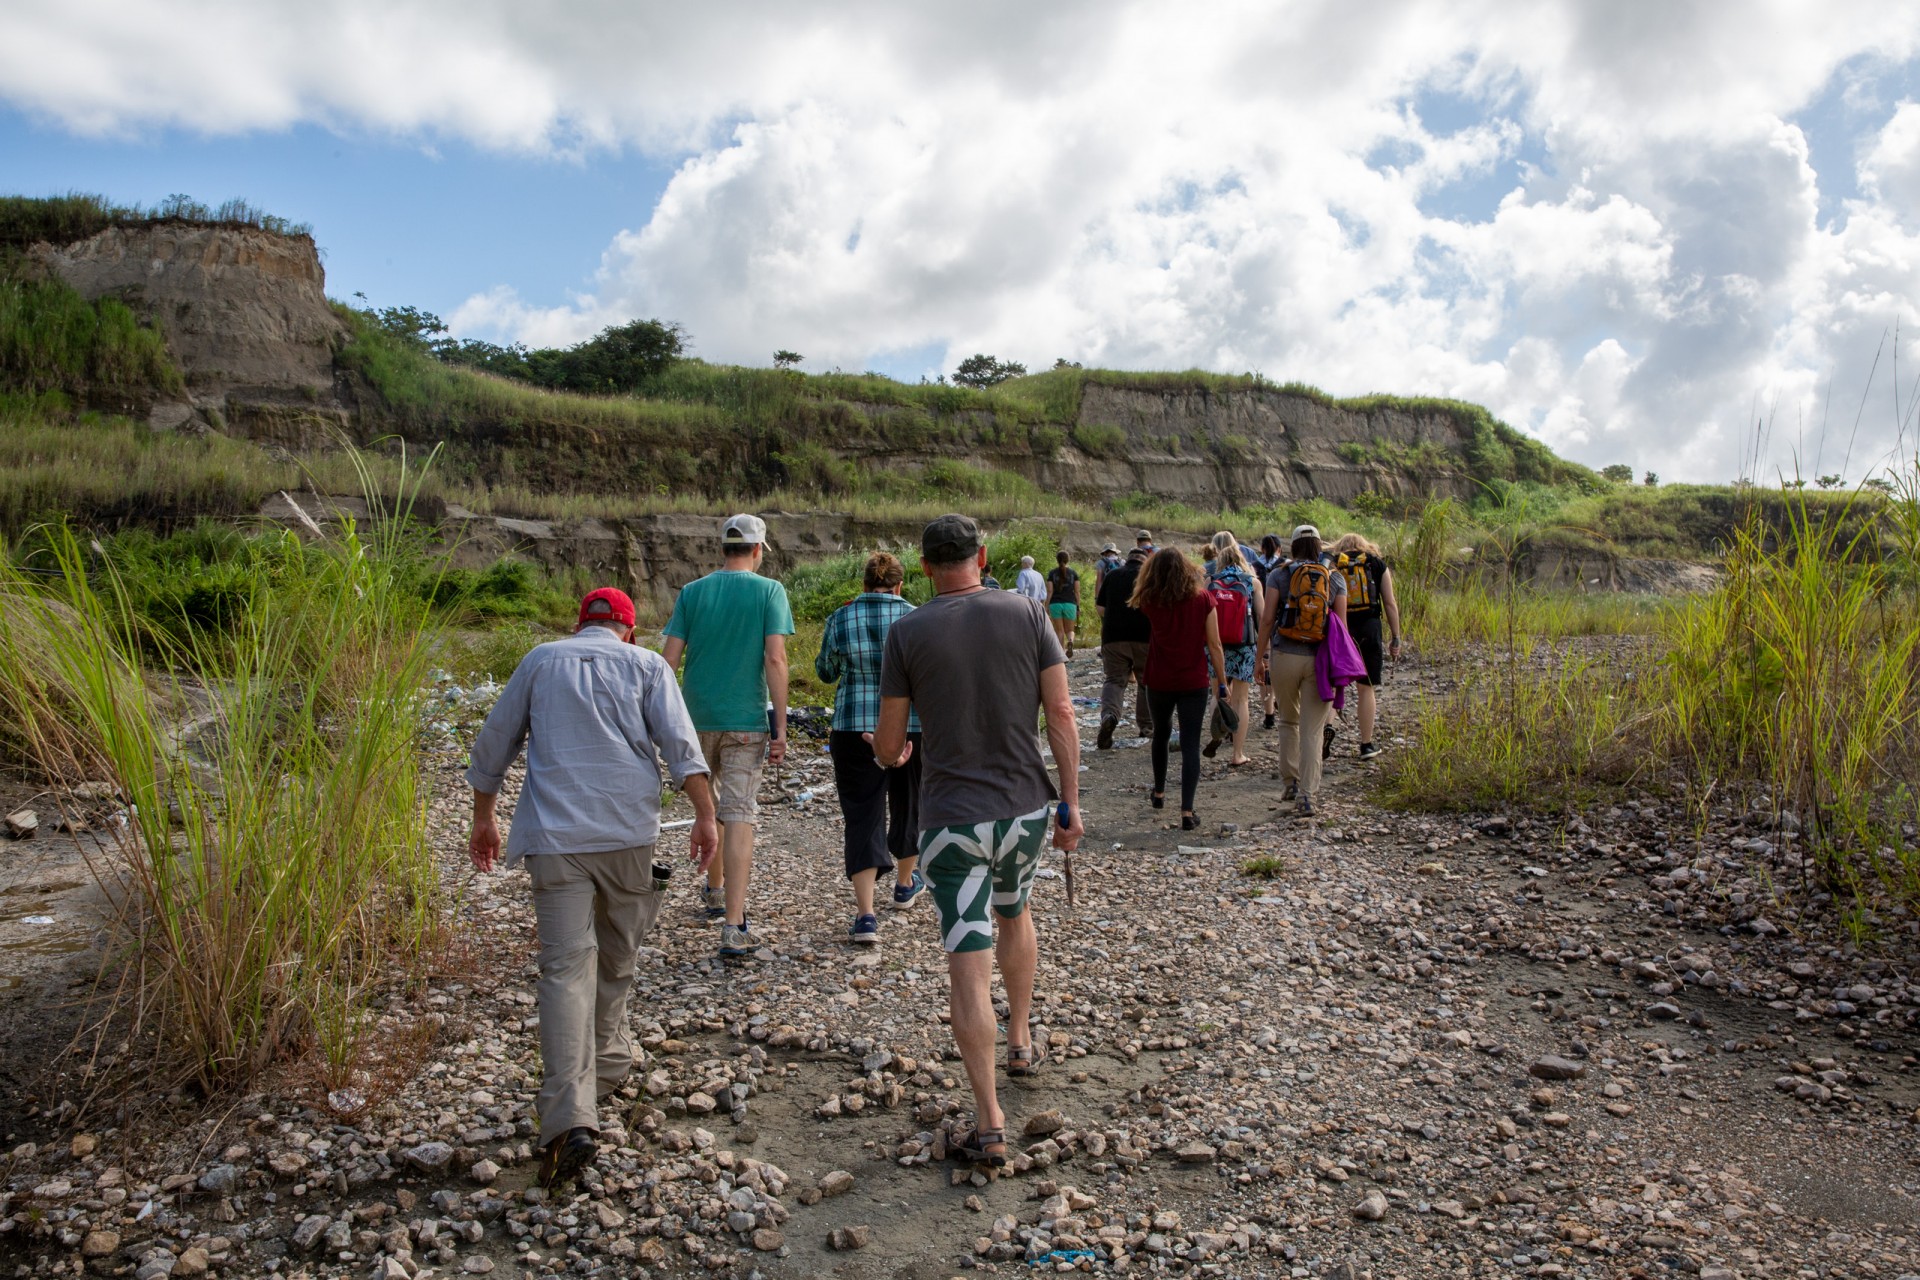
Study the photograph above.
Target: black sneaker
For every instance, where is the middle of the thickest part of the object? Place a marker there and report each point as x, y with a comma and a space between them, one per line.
1292, 791
1327, 736
1368, 750
567, 1155
1105, 741
1268, 723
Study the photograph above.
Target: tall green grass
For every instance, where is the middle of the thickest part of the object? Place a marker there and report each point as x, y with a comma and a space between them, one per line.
1551, 734
105, 472
273, 861
1800, 674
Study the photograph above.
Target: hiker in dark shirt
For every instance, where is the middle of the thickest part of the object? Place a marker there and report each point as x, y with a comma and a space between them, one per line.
1124, 632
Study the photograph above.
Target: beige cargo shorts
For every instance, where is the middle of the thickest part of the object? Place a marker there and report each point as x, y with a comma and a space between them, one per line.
736, 761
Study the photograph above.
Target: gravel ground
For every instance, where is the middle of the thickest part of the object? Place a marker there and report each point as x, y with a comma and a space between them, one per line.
1416, 1047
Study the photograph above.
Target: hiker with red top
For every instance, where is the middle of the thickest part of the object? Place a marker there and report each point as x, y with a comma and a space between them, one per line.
1302, 597
597, 715
1230, 584
1185, 643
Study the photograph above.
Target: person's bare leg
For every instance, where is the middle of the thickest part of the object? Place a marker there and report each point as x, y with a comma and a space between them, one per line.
970, 1008
1237, 697
1017, 948
736, 849
863, 891
1366, 712
903, 869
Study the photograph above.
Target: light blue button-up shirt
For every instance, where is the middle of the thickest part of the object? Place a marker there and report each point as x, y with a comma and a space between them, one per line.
597, 716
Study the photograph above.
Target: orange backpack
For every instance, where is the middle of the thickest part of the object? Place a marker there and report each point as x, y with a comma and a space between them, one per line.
1309, 601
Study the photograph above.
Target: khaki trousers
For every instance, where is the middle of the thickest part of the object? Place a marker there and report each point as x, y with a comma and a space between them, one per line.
593, 910
1302, 717
1123, 663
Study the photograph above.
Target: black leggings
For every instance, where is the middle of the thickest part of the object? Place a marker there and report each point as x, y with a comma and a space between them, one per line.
1191, 707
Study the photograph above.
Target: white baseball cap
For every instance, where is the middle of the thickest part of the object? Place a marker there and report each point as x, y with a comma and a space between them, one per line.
1304, 531
743, 529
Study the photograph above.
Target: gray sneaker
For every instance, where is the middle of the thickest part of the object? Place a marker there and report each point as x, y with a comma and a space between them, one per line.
736, 942
713, 900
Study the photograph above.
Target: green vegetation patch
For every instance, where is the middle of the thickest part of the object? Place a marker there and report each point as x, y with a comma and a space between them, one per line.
68, 219
52, 340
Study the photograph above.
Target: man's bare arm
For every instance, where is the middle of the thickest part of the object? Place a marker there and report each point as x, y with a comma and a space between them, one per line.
672, 651
775, 664
1063, 735
890, 734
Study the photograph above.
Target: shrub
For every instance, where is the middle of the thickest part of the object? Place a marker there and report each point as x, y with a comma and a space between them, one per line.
1099, 440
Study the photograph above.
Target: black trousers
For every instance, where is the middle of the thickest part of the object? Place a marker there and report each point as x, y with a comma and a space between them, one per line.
880, 808
1191, 707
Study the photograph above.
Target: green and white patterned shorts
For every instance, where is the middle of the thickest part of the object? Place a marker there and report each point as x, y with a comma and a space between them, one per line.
977, 863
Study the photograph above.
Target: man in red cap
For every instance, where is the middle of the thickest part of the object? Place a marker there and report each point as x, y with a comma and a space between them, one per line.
597, 715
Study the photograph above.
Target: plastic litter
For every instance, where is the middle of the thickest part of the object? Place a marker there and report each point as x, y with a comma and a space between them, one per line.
1063, 1255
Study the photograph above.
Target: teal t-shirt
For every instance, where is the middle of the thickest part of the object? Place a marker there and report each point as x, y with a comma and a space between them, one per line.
725, 618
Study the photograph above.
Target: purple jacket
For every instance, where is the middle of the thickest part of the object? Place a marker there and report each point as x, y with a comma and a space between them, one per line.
1336, 663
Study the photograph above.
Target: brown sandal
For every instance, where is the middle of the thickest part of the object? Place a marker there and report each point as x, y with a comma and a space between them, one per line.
1020, 1060
981, 1146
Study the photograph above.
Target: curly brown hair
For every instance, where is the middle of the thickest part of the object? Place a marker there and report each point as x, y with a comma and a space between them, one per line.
1167, 579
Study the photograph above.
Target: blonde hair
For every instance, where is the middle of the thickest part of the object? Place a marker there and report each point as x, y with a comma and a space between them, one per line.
1227, 553
1352, 542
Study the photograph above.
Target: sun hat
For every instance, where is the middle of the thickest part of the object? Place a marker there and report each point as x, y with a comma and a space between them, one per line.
607, 604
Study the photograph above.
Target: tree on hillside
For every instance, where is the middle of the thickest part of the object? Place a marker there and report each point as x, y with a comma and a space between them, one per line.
1061, 362
1619, 473
1650, 480
411, 325
784, 359
980, 371
1830, 482
620, 358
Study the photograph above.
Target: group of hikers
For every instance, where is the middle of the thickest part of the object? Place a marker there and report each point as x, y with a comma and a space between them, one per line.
942, 784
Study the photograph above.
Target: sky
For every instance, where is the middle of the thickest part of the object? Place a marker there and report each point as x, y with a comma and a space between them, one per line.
1675, 234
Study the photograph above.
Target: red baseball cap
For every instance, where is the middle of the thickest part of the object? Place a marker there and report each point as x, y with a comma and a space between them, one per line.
607, 604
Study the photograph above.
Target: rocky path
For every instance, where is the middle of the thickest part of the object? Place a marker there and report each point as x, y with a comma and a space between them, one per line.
1412, 1046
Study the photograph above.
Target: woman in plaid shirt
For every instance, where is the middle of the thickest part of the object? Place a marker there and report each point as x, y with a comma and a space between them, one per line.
879, 807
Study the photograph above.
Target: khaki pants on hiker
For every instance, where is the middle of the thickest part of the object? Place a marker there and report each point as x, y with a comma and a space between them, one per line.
1123, 663
593, 910
1302, 718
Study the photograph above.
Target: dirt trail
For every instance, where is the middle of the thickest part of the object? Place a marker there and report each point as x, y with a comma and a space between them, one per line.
1242, 1065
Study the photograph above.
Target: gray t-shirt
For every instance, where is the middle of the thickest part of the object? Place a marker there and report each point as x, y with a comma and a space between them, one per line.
1281, 580
971, 664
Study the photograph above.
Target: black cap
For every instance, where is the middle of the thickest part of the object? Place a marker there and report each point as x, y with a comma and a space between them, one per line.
949, 540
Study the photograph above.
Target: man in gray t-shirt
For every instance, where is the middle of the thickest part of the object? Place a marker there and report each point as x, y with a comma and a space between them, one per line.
975, 664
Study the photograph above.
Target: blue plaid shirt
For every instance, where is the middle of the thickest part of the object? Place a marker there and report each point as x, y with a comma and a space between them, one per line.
850, 652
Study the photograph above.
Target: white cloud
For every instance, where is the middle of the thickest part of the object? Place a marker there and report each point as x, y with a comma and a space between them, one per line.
1151, 184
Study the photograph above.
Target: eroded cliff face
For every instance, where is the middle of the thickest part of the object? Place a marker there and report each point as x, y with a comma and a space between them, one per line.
244, 313
1255, 446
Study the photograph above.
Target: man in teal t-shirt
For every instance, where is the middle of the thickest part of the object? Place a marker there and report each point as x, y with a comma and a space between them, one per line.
732, 627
